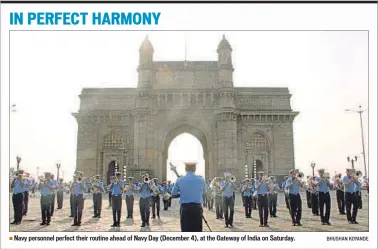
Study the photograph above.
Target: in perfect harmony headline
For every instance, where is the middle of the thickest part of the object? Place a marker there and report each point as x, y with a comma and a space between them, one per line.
85, 18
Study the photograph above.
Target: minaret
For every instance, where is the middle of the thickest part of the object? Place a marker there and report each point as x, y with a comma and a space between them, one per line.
145, 69
225, 68
226, 117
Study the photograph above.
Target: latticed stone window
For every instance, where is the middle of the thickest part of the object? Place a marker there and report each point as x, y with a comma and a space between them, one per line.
258, 141
113, 142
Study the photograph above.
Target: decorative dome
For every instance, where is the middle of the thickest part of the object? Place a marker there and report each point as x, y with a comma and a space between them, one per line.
224, 44
146, 46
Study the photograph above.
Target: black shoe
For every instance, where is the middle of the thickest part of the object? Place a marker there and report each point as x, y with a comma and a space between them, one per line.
12, 223
294, 224
328, 224
114, 224
74, 225
42, 224
261, 225
143, 225
246, 216
71, 216
226, 226
274, 216
94, 216
266, 225
350, 222
118, 224
299, 224
323, 223
231, 225
148, 224
355, 222
99, 216
48, 224
153, 217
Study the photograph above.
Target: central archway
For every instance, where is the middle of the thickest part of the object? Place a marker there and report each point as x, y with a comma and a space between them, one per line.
192, 130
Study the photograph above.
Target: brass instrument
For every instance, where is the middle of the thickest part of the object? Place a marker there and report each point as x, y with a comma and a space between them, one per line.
155, 189
359, 174
146, 180
232, 178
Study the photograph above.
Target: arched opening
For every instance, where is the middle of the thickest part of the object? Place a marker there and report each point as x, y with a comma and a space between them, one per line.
112, 169
184, 148
195, 150
258, 166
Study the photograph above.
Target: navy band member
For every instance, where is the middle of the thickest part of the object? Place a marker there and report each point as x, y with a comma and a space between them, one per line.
98, 189
247, 189
18, 185
218, 199
190, 189
209, 196
165, 190
350, 182
286, 193
324, 186
338, 184
26, 193
308, 193
262, 189
111, 179
54, 184
117, 189
144, 189
129, 192
60, 193
78, 190
46, 188
228, 189
358, 189
155, 199
272, 198
72, 197
293, 186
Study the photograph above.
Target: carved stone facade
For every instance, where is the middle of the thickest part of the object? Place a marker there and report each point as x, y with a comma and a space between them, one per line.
236, 126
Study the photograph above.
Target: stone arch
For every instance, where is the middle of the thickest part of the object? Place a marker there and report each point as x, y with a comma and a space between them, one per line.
190, 129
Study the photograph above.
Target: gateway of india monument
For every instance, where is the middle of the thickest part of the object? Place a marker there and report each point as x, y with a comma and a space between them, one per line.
242, 130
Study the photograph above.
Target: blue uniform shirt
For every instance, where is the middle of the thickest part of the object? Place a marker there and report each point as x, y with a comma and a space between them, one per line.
190, 188
131, 190
17, 189
248, 191
144, 190
99, 187
351, 188
117, 188
295, 189
228, 189
53, 183
27, 185
322, 187
264, 188
77, 189
44, 190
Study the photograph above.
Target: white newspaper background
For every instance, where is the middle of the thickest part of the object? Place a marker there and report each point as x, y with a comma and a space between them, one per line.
49, 56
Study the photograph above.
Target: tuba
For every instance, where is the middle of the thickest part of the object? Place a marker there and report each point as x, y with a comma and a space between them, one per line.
146, 180
232, 179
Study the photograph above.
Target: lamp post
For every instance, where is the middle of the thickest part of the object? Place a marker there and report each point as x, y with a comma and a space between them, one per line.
360, 111
352, 160
57, 173
313, 168
124, 172
18, 162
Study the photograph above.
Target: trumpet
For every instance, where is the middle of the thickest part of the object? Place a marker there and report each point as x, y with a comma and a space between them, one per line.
127, 187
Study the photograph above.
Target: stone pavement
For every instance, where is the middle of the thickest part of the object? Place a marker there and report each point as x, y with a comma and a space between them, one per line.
169, 220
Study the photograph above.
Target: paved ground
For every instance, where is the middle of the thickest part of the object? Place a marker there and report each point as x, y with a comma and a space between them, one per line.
169, 221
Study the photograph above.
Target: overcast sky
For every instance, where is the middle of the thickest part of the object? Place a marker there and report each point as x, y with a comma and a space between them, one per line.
326, 72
